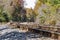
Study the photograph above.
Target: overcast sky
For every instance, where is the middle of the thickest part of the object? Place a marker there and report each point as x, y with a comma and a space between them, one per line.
30, 3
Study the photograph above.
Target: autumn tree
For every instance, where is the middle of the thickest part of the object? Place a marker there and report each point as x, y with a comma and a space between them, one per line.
49, 12
19, 12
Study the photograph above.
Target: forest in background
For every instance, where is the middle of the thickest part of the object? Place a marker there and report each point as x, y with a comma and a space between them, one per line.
14, 10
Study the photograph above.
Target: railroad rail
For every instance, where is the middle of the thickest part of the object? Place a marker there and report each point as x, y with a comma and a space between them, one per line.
52, 31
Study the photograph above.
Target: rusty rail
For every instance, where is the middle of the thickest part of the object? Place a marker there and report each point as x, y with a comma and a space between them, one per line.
50, 29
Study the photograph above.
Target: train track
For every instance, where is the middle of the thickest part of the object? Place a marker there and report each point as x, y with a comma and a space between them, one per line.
51, 31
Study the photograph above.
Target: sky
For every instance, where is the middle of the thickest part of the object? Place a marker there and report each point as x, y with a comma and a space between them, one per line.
29, 3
